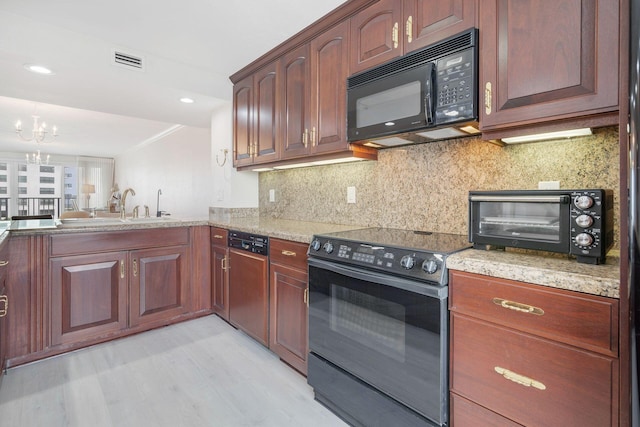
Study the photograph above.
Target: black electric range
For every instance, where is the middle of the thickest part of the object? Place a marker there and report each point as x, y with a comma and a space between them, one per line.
419, 255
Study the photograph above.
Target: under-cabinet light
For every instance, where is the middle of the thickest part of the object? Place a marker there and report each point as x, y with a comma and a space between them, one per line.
547, 136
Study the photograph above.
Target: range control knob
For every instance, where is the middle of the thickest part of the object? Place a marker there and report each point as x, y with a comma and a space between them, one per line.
407, 262
429, 266
315, 244
583, 202
584, 239
328, 247
584, 221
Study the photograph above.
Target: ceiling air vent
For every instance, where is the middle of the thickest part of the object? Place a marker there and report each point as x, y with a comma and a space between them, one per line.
127, 60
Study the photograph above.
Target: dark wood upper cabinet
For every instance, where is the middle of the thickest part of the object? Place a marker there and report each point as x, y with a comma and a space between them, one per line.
329, 72
376, 35
391, 28
541, 63
427, 21
255, 117
296, 108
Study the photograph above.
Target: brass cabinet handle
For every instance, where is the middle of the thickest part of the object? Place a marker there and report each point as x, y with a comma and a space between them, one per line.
135, 267
305, 298
288, 253
519, 379
517, 306
487, 98
408, 29
305, 137
394, 35
4, 263
122, 269
4, 299
223, 264
217, 236
313, 136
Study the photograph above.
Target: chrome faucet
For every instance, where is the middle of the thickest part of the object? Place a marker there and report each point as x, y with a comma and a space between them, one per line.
123, 209
158, 212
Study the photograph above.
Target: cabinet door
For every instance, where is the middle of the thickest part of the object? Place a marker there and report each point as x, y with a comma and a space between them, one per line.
88, 296
159, 280
329, 72
376, 35
296, 82
288, 331
219, 281
242, 121
543, 62
428, 21
249, 293
4, 305
265, 114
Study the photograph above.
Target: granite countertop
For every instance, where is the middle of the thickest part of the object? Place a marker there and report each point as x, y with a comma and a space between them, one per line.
110, 224
552, 271
297, 231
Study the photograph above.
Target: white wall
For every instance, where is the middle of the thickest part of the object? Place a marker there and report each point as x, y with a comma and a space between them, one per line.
179, 164
231, 189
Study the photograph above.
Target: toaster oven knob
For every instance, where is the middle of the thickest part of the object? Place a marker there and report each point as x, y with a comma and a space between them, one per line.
429, 266
584, 221
407, 262
328, 247
583, 202
315, 245
584, 239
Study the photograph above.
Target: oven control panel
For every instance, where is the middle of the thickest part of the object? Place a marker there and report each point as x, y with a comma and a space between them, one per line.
421, 265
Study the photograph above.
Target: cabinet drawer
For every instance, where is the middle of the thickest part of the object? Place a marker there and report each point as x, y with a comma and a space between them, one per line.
293, 254
466, 413
531, 380
219, 236
582, 320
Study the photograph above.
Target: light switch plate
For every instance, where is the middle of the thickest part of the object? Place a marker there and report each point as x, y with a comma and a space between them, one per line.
351, 194
272, 195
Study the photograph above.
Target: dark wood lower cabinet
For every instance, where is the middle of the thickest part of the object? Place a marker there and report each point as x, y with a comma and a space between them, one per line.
158, 285
288, 331
88, 296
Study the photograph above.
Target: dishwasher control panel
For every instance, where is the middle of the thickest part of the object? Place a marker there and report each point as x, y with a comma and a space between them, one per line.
249, 242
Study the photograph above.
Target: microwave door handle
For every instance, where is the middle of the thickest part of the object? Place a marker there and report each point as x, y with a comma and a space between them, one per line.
428, 104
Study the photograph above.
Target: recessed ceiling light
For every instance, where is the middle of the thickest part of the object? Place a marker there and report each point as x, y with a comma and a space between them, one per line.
38, 69
187, 100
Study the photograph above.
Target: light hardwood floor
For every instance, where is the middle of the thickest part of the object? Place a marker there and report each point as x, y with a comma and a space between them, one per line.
201, 372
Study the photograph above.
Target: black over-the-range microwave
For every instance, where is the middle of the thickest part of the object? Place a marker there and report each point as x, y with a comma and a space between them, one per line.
575, 222
426, 95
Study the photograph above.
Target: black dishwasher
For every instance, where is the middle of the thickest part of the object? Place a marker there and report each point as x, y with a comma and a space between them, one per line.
249, 284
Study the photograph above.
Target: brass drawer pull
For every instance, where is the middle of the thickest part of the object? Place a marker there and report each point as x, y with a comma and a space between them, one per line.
4, 263
516, 306
4, 299
520, 379
217, 236
288, 253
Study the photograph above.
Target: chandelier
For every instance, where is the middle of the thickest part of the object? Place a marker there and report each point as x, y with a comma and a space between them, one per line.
38, 133
37, 159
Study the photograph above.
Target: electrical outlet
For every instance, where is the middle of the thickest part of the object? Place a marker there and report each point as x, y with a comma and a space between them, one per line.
351, 194
272, 195
548, 185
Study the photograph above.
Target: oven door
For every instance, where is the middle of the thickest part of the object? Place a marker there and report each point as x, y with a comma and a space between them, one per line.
389, 332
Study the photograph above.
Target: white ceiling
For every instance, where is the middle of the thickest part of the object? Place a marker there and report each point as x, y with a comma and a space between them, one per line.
190, 47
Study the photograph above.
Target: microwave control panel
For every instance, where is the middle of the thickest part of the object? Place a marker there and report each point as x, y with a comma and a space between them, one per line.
455, 86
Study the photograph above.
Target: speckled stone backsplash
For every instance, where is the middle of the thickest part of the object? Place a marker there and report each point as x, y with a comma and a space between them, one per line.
425, 187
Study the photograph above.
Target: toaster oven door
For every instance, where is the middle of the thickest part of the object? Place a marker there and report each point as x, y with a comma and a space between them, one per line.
539, 222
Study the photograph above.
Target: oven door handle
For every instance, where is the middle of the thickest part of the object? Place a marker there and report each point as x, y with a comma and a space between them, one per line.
440, 292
